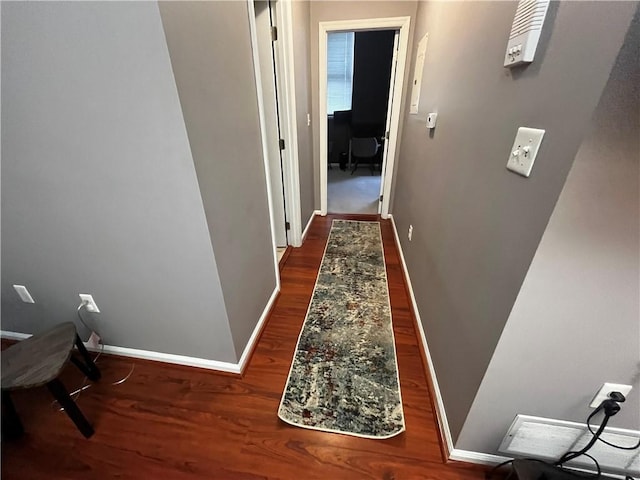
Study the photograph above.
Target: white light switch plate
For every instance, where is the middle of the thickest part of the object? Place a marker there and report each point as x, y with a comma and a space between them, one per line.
524, 150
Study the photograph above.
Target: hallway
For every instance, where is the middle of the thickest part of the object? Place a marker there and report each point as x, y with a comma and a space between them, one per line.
177, 422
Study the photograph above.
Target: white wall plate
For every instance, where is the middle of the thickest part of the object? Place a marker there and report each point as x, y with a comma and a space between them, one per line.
524, 150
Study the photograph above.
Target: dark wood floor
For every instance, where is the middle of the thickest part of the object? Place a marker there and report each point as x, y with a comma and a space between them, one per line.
173, 422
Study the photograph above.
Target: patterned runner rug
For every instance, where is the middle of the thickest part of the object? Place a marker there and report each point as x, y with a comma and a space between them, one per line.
344, 375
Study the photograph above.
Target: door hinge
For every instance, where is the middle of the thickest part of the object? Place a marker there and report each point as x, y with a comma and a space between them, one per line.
386, 135
381, 197
287, 226
274, 34
281, 143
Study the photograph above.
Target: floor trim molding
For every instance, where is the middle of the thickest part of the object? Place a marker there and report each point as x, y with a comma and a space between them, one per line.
476, 457
9, 335
227, 367
441, 415
283, 260
257, 332
306, 229
150, 355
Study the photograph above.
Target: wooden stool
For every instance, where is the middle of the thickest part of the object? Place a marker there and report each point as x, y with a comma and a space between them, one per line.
37, 361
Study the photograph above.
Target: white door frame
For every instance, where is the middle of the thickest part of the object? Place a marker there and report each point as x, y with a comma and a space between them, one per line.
263, 132
393, 23
272, 123
387, 123
287, 109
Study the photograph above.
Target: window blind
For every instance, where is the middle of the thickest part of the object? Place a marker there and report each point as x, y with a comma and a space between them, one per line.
339, 70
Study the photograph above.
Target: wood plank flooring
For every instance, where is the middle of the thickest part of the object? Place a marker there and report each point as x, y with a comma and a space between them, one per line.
174, 422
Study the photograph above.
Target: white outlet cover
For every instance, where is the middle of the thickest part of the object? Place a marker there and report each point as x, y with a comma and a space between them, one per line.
91, 304
431, 120
524, 150
24, 294
606, 389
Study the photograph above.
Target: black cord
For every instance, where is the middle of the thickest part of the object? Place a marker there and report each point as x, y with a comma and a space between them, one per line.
571, 455
568, 472
500, 465
610, 408
637, 445
598, 474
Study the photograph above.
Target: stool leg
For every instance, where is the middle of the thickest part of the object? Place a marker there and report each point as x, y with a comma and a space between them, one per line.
60, 393
11, 424
89, 368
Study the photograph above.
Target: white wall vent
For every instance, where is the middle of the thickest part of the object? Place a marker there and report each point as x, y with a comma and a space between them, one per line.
549, 439
525, 32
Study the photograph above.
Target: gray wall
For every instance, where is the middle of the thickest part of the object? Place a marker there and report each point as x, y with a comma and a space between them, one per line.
476, 225
210, 48
99, 192
576, 321
301, 11
325, 11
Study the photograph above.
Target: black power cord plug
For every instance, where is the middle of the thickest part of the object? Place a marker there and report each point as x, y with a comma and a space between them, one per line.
617, 397
611, 407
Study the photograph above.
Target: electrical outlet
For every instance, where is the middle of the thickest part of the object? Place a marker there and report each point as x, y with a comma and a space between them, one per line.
431, 120
606, 389
90, 303
24, 294
410, 233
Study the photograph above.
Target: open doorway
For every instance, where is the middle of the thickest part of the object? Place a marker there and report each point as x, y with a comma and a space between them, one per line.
359, 79
361, 69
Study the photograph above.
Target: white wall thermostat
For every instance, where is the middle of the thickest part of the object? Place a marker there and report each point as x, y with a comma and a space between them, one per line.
524, 150
525, 32
431, 120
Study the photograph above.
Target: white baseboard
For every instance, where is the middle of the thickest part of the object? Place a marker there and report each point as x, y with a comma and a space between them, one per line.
306, 229
228, 367
441, 414
173, 358
13, 335
476, 457
255, 336
149, 355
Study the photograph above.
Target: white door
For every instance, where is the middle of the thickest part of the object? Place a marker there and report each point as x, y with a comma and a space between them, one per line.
269, 92
387, 128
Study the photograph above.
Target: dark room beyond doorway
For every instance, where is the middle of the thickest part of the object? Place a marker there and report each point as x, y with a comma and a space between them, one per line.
359, 71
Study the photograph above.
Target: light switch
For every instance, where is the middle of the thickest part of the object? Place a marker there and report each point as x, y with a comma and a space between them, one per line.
524, 150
